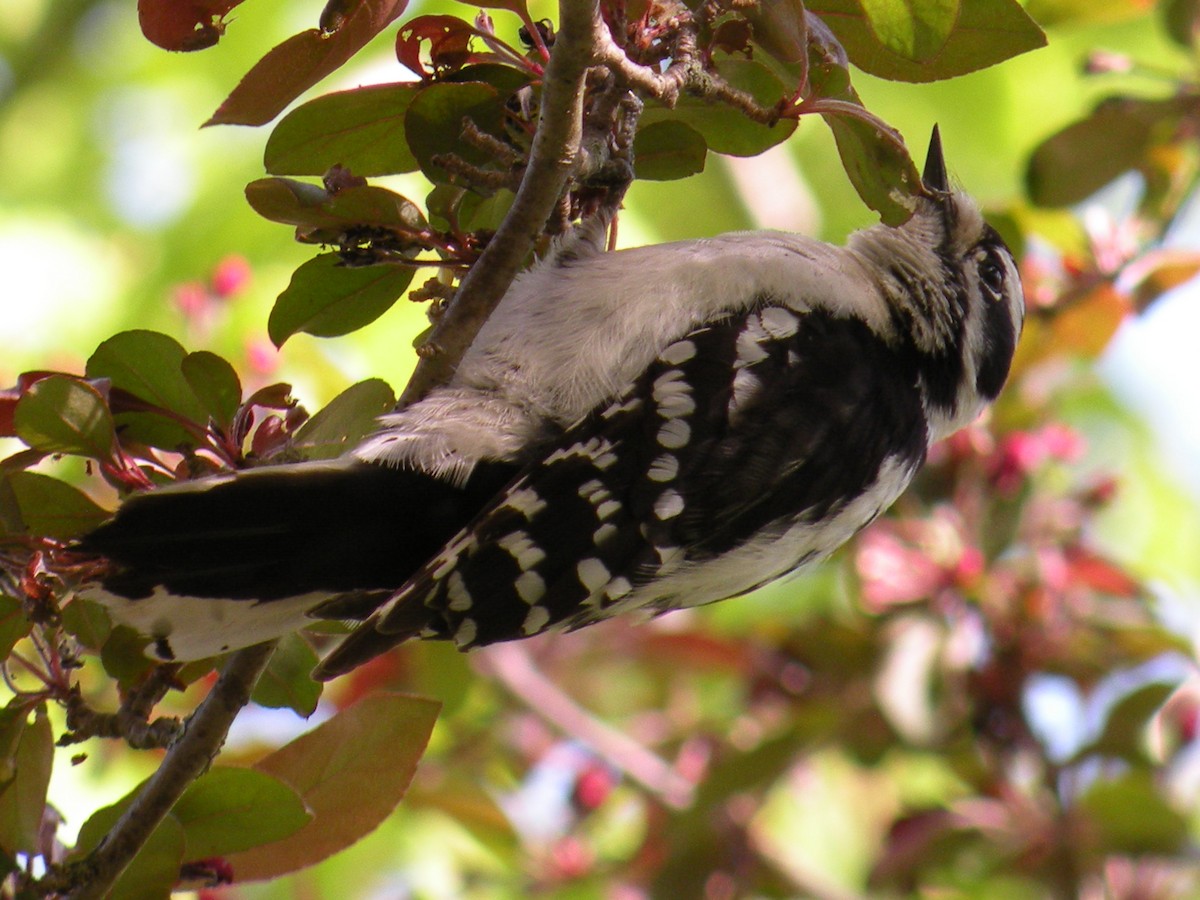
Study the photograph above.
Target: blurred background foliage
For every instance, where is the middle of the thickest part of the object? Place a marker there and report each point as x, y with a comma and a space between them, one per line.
874, 728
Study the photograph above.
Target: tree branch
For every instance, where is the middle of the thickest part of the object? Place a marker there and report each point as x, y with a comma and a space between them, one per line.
552, 158
93, 877
511, 665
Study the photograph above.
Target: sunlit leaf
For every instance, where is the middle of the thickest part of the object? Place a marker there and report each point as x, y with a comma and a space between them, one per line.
287, 682
230, 809
914, 31
60, 414
666, 150
327, 299
23, 798
300, 62
351, 771
891, 40
53, 508
344, 420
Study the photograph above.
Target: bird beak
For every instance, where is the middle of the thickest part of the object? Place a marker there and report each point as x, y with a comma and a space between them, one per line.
934, 177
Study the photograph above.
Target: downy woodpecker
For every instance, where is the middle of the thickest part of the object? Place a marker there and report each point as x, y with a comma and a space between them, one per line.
645, 429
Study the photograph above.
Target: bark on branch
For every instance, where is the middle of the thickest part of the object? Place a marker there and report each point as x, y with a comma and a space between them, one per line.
93, 877
552, 158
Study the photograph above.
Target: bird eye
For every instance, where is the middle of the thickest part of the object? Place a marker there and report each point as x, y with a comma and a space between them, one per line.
991, 275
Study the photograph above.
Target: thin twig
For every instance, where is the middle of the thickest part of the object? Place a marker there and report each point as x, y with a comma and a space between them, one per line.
93, 877
132, 721
551, 159
512, 666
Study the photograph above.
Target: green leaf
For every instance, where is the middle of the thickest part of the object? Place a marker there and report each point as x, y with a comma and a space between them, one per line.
23, 799
60, 414
663, 151
890, 39
13, 721
215, 383
287, 683
300, 62
724, 128
326, 299
124, 655
872, 153
1073, 164
916, 31
1132, 816
351, 771
149, 366
155, 868
1125, 728
322, 216
87, 622
344, 420
229, 809
53, 508
434, 124
14, 624
1181, 18
878, 165
478, 213
362, 129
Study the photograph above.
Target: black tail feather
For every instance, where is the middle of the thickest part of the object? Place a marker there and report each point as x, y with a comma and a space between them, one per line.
282, 531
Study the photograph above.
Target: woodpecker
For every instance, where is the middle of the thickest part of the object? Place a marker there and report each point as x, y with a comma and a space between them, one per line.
639, 430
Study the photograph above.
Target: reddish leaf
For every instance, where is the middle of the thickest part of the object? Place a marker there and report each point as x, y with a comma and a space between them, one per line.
183, 24
300, 62
449, 41
1101, 574
1161, 271
351, 771
1088, 321
8, 407
780, 28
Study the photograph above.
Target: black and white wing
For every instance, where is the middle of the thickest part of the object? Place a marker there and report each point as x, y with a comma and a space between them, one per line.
751, 446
